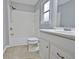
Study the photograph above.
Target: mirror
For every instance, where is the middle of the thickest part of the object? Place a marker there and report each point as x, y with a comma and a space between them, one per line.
66, 14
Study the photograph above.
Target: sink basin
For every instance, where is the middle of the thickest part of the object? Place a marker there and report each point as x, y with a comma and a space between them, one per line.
64, 32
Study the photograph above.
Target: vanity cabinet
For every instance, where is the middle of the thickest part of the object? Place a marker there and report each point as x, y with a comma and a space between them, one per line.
44, 49
58, 47
59, 53
49, 50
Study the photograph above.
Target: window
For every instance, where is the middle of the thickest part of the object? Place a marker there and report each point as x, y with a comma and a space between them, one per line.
46, 6
45, 13
48, 13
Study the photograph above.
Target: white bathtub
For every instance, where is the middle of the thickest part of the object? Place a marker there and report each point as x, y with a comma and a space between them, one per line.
17, 41
19, 52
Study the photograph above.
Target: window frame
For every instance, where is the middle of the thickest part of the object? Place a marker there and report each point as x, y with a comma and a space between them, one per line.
52, 15
45, 12
45, 25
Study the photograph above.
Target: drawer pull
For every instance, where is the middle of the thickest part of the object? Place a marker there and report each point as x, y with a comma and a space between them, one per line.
60, 56
46, 46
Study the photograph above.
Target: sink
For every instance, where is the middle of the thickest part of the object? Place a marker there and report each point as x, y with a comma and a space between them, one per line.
60, 31
67, 29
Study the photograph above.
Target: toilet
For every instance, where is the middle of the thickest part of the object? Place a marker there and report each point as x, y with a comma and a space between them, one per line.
33, 44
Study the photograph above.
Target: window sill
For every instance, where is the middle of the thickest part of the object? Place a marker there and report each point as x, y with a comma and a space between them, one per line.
59, 32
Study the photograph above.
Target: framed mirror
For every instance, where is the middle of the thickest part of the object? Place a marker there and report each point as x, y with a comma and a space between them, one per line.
61, 14
66, 14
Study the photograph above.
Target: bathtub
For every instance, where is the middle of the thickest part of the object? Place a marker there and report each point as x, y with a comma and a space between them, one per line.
17, 41
19, 52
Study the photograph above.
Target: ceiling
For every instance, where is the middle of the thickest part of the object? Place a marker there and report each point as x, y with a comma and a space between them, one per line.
30, 2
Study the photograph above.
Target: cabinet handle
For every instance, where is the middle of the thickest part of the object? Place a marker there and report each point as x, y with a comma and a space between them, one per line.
11, 28
46, 46
60, 56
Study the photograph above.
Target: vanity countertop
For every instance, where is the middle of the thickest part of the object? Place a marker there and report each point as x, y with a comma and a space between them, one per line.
66, 34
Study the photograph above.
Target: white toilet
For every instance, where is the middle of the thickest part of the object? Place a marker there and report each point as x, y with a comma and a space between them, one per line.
33, 44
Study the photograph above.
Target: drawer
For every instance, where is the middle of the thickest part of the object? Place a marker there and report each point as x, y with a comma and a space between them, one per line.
56, 53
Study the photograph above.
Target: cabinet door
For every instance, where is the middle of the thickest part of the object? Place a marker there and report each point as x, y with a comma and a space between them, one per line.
44, 49
57, 53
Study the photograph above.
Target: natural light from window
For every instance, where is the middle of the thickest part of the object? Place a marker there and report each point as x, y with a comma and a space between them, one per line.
46, 17
46, 6
46, 11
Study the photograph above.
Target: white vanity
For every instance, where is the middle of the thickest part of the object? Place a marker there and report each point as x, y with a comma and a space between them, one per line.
56, 47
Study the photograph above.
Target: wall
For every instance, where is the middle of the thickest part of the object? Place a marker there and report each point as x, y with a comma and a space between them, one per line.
23, 7
67, 11
5, 23
23, 26
36, 23
24, 21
